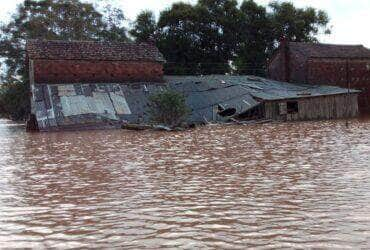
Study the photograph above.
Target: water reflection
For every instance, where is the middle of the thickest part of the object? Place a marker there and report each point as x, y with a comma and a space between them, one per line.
295, 185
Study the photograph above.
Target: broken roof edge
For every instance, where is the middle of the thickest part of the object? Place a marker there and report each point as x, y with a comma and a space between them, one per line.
302, 96
269, 89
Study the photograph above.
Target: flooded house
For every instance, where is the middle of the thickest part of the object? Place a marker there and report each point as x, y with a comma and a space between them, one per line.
219, 97
346, 66
89, 85
83, 84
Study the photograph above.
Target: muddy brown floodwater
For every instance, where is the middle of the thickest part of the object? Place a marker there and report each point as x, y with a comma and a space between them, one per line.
291, 185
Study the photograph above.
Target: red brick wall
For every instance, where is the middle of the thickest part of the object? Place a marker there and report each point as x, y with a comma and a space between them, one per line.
298, 68
276, 67
278, 71
68, 71
334, 72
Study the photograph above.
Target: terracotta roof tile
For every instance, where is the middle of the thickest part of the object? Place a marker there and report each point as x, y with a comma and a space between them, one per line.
320, 50
89, 50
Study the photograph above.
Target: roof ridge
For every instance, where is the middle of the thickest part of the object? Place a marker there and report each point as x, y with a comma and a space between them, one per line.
329, 44
89, 41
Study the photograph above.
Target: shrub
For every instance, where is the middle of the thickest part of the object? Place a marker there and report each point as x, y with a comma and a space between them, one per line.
14, 101
168, 108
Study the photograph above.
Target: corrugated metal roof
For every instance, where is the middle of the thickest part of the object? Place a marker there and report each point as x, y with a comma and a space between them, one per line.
79, 104
258, 87
203, 94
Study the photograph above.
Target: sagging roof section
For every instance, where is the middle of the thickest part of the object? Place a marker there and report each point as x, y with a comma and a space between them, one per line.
252, 86
91, 50
204, 94
320, 50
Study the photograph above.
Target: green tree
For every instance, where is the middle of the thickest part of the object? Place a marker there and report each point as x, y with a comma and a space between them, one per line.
52, 19
256, 39
168, 108
220, 28
14, 101
177, 39
205, 37
145, 27
201, 38
297, 24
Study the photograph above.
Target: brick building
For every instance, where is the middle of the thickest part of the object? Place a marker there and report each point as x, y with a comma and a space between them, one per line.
97, 62
339, 65
89, 84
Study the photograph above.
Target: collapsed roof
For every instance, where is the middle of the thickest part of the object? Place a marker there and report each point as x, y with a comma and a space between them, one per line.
241, 93
210, 98
258, 87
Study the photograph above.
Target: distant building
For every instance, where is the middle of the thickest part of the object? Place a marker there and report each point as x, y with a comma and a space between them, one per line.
340, 65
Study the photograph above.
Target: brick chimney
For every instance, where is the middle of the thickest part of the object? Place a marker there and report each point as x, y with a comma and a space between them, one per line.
284, 47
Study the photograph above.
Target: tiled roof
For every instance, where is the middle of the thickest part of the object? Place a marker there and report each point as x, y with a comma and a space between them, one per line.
320, 50
89, 50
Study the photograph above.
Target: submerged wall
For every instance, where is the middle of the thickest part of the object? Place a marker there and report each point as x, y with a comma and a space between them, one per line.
314, 108
209, 98
65, 106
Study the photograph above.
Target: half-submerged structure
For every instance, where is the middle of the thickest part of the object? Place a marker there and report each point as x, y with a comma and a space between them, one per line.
219, 97
84, 84
346, 66
88, 85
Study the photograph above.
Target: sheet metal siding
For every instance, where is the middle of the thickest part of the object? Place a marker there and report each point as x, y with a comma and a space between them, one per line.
82, 104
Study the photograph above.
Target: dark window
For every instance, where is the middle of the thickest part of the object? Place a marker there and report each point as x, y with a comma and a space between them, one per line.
292, 107
227, 112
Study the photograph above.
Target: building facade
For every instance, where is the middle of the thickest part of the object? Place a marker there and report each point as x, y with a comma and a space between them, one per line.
346, 66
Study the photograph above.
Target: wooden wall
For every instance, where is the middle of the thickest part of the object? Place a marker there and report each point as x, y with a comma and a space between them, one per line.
315, 108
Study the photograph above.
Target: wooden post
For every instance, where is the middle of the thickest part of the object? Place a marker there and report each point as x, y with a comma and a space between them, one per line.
31, 125
348, 93
32, 84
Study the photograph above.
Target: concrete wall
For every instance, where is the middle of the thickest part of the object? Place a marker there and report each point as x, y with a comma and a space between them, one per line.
70, 71
314, 108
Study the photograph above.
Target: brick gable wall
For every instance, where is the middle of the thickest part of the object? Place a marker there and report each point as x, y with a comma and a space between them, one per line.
80, 71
